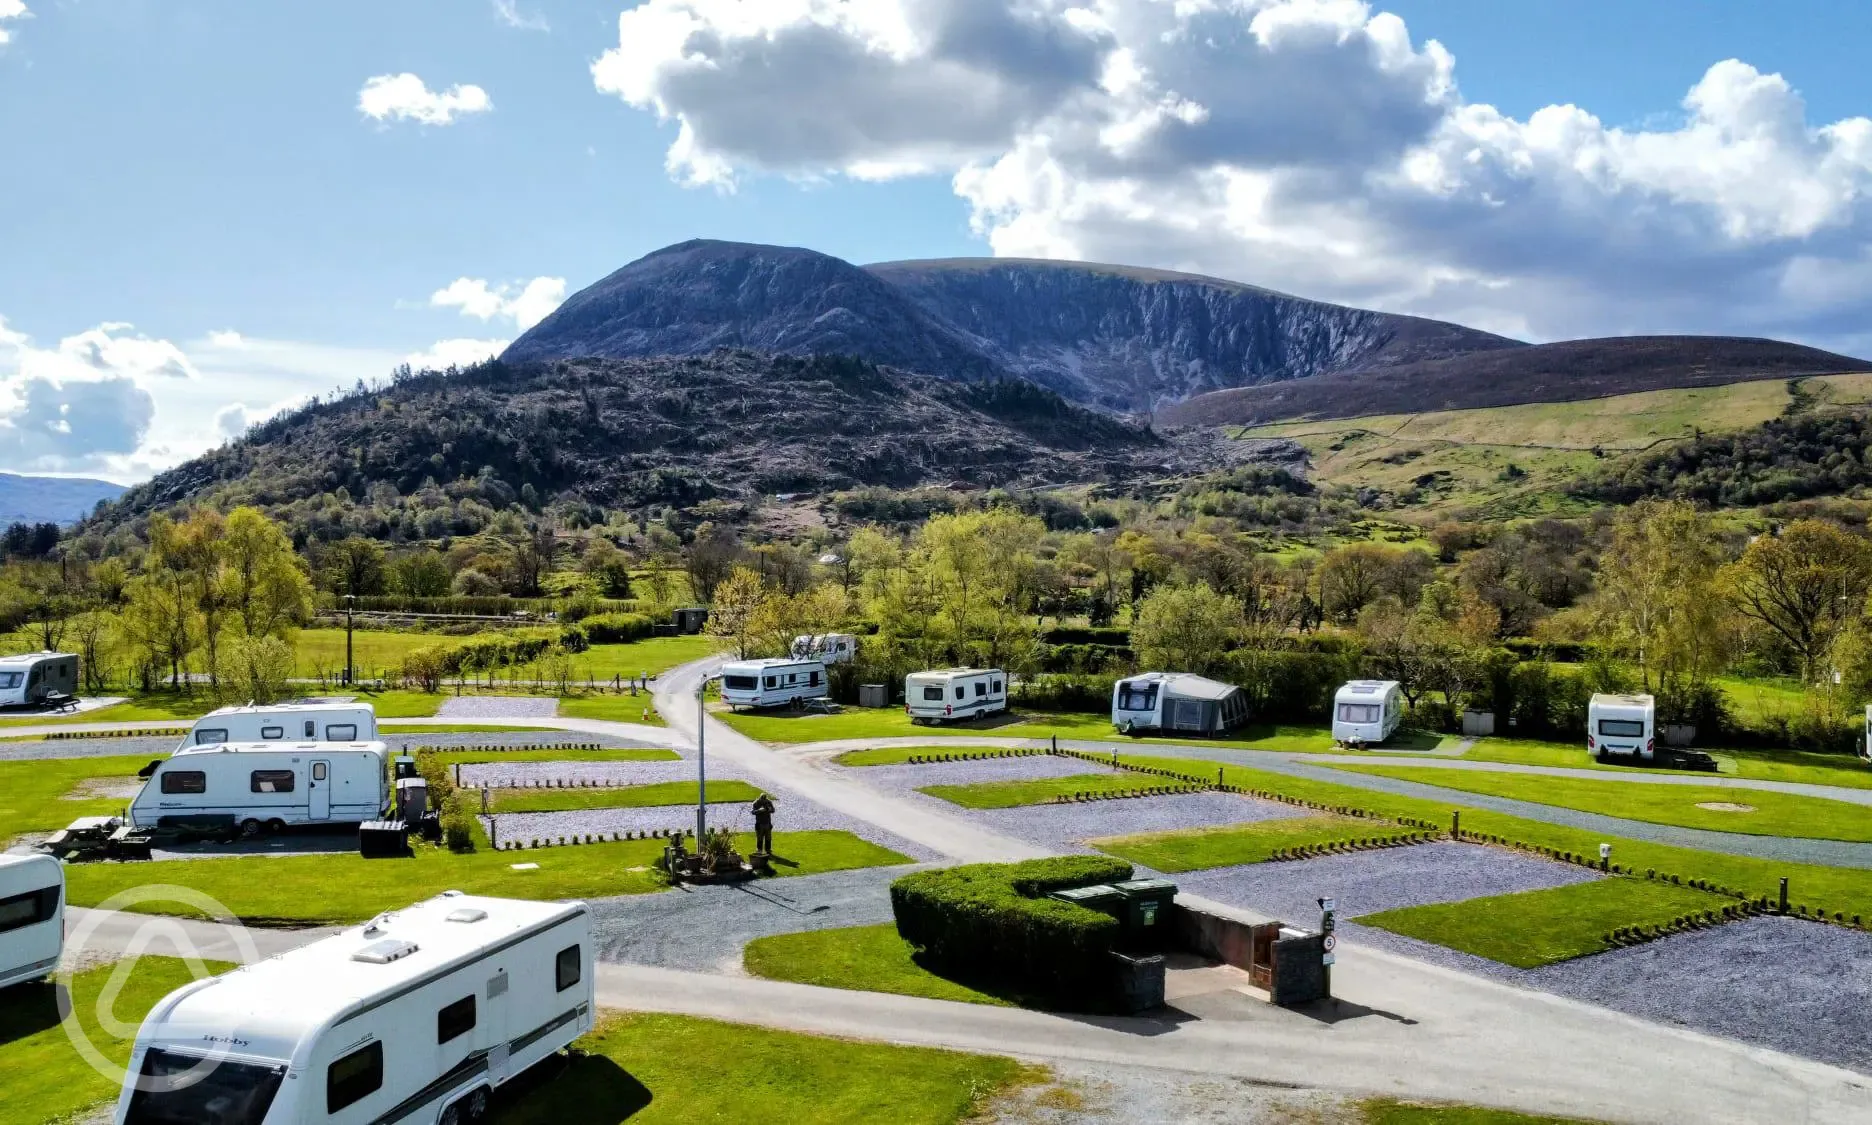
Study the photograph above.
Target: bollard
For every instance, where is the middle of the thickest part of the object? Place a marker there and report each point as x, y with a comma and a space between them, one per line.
1455, 825
1784, 897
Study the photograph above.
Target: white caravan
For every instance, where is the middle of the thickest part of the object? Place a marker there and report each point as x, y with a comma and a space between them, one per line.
954, 693
415, 1017
772, 682
1621, 726
285, 722
267, 785
32, 917
1366, 712
1180, 702
30, 678
827, 648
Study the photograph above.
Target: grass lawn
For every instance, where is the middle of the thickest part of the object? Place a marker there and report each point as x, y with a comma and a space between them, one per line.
898, 755
1007, 794
1755, 765
374, 652
885, 722
864, 958
678, 1070
400, 704
621, 797
1199, 848
639, 708
46, 1079
1774, 814
651, 656
1390, 1111
342, 888
471, 757
1534, 928
34, 795
156, 706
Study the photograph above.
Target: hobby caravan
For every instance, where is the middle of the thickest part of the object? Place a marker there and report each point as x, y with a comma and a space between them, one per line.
32, 917
266, 785
1621, 726
772, 682
27, 680
1366, 712
285, 722
955, 693
415, 1017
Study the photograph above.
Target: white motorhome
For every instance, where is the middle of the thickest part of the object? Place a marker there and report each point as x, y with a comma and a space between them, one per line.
1621, 726
1366, 712
267, 785
954, 693
772, 682
285, 722
32, 917
416, 1016
28, 679
1177, 701
827, 648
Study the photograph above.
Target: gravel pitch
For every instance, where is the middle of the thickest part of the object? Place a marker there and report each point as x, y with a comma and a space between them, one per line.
86, 748
908, 779
1067, 827
498, 707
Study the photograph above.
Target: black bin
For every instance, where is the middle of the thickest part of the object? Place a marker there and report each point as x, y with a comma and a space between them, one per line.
1102, 897
1146, 913
383, 839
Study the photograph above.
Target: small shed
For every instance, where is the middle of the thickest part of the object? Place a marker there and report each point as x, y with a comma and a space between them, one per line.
689, 619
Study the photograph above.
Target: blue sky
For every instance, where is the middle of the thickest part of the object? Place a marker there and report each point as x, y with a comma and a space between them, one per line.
192, 167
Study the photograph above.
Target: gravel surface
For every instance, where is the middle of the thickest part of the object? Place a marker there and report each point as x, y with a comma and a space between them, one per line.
498, 707
1103, 1092
607, 773
464, 740
704, 928
1066, 827
87, 748
908, 779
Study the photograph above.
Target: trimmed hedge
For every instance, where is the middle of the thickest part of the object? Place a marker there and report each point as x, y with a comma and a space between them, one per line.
990, 922
616, 628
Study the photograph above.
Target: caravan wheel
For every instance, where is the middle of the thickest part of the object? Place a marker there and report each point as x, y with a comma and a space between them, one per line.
275, 826
249, 828
477, 1105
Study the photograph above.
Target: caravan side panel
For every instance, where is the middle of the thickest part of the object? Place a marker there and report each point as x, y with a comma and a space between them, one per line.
32, 917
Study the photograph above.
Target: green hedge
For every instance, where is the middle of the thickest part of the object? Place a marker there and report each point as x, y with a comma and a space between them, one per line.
989, 922
616, 628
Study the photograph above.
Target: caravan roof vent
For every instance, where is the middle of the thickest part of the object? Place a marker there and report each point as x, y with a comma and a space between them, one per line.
467, 914
384, 952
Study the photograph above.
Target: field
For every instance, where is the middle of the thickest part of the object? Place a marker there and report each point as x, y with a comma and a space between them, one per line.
1534, 928
1254, 842
865, 958
36, 796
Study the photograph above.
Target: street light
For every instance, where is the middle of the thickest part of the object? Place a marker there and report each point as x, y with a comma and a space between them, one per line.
350, 604
701, 768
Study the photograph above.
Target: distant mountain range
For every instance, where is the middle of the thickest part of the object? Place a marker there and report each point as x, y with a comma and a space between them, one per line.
61, 500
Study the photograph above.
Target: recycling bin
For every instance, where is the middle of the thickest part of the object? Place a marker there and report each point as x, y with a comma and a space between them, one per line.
1146, 911
1101, 897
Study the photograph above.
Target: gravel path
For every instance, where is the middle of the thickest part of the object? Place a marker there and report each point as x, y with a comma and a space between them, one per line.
605, 773
705, 927
906, 780
1066, 827
498, 707
87, 748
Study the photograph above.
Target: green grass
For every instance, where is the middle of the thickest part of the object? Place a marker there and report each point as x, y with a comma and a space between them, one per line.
1034, 791
1199, 848
639, 708
347, 888
36, 795
864, 958
46, 1079
882, 722
1775, 814
651, 656
373, 651
1534, 928
1754, 765
399, 704
1391, 1111
621, 797
471, 757
678, 1070
157, 706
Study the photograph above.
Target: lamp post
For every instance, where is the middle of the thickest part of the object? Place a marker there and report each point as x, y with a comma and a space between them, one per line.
701, 768
350, 601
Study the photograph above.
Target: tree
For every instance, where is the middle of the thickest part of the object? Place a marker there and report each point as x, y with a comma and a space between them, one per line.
1409, 646
609, 567
355, 567
47, 595
1658, 595
736, 612
422, 573
1185, 628
1805, 585
1353, 576
709, 558
258, 668
262, 582
531, 556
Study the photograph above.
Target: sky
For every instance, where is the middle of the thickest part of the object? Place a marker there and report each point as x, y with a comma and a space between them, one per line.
211, 209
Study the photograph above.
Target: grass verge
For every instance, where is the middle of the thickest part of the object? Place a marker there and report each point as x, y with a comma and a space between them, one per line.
863, 958
1754, 765
1534, 928
1254, 842
619, 797
639, 708
473, 757
1030, 791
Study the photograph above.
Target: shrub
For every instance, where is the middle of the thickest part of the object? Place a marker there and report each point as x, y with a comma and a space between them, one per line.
457, 825
989, 922
616, 628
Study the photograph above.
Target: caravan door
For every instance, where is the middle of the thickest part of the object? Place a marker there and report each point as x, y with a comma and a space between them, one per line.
319, 791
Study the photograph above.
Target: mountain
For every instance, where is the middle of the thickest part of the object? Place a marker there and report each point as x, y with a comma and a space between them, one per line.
635, 433
1561, 372
1111, 337
28, 499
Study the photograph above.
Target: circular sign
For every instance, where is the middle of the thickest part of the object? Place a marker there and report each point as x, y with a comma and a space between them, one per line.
1330, 942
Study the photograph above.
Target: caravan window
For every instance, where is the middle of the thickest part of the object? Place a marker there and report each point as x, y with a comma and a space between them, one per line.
997, 685
1137, 698
456, 1020
270, 781
211, 736
1359, 712
981, 688
356, 1076
9, 679
341, 732
566, 969
959, 691
311, 729
1622, 728
740, 683
28, 909
175, 1089
772, 681
932, 694
812, 679
184, 781
271, 733
318, 771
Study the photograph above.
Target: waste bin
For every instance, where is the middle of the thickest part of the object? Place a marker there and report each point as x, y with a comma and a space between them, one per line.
1146, 911
1101, 897
873, 695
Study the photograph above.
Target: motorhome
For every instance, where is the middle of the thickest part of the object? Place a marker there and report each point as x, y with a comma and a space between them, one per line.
285, 722
772, 682
32, 917
266, 785
948, 694
1621, 726
27, 680
827, 648
416, 1016
1366, 712
1177, 701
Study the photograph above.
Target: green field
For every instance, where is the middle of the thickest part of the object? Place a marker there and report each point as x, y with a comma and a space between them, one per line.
1534, 928
45, 794
620, 797
652, 656
1196, 849
864, 958
1757, 812
640, 709
677, 1070
156, 706
1034, 791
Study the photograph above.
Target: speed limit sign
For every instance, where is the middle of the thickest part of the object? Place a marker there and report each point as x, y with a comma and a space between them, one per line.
1330, 942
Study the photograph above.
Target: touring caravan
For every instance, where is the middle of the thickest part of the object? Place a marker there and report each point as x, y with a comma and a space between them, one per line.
416, 1016
827, 648
1366, 712
772, 682
285, 722
954, 693
27, 680
32, 917
266, 785
1182, 702
1621, 726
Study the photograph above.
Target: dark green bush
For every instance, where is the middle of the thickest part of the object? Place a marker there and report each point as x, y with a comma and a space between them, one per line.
616, 628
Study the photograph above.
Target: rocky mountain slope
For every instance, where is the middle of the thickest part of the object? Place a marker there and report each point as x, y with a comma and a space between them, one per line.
1116, 338
1562, 372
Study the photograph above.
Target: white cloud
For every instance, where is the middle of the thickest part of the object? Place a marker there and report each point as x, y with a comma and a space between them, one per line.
405, 97
511, 15
11, 10
455, 353
227, 338
526, 305
1305, 145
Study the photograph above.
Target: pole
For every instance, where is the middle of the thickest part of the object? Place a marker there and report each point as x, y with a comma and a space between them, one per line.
701, 765
350, 602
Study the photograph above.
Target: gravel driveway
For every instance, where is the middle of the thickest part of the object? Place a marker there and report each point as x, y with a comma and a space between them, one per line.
1066, 827
87, 748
